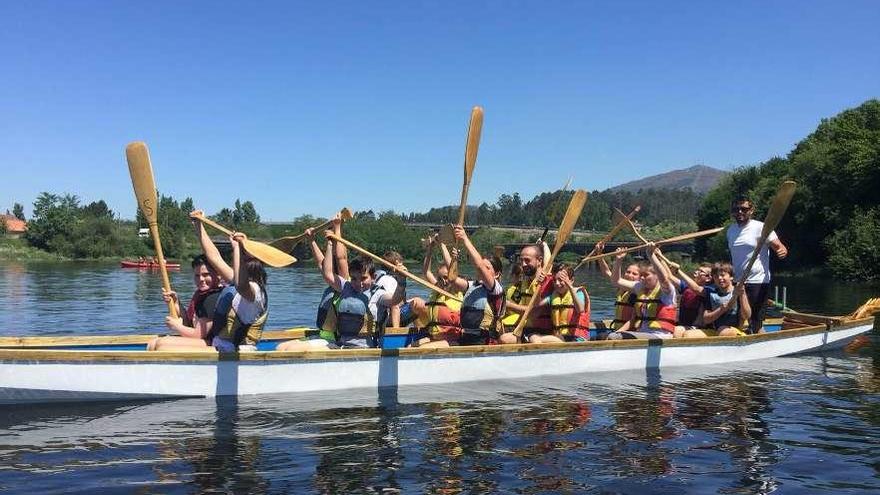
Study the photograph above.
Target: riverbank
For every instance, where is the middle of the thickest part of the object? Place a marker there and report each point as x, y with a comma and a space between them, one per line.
19, 250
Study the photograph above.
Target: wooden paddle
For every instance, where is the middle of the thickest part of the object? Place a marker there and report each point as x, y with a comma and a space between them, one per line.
774, 216
287, 244
392, 266
475, 130
263, 252
610, 235
568, 222
141, 171
553, 210
638, 234
671, 240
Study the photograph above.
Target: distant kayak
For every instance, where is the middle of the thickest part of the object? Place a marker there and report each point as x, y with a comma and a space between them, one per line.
147, 264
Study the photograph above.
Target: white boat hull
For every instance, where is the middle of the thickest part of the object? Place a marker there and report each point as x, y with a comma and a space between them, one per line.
28, 375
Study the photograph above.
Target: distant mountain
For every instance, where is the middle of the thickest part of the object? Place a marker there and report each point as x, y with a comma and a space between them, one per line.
699, 178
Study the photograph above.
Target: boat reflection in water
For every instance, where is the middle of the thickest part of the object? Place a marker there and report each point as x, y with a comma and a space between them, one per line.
703, 429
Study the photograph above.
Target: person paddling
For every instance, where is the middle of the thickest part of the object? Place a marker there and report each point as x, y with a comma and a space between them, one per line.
242, 307
439, 317
569, 309
728, 305
360, 300
531, 258
483, 303
196, 319
742, 238
625, 298
654, 310
326, 318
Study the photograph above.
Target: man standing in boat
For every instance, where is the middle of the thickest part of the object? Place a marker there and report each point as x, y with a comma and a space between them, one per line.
742, 237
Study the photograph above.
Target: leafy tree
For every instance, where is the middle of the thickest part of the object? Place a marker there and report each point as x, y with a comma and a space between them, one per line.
18, 211
853, 250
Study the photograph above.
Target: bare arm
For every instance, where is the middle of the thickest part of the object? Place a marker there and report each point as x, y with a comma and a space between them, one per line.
779, 248
447, 258
603, 265
690, 282
483, 273
242, 283
327, 267
340, 251
316, 249
210, 250
618, 279
426, 263
662, 270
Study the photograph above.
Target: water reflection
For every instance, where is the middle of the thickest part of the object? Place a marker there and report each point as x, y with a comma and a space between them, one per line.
796, 424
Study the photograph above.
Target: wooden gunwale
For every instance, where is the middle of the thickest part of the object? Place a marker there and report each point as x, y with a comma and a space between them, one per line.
57, 356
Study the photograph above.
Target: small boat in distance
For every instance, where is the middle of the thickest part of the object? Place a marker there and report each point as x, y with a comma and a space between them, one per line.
147, 264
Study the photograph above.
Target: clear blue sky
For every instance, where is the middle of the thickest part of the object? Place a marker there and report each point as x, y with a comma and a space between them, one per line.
305, 107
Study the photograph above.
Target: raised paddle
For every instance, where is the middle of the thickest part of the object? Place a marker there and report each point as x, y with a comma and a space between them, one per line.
475, 129
267, 254
671, 240
568, 222
287, 244
774, 216
387, 263
638, 234
551, 216
610, 235
141, 171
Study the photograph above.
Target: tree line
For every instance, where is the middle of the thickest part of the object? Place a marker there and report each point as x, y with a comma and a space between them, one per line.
834, 218
833, 221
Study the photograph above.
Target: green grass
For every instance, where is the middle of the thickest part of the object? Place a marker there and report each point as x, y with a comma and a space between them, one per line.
18, 250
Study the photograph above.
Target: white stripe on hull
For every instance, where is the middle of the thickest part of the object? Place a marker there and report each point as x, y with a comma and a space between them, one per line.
28, 381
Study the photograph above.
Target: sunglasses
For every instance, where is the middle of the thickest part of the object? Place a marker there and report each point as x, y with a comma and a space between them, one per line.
737, 209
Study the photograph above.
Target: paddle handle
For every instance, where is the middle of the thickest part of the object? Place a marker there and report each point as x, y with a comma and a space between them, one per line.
163, 270
388, 264
610, 235
207, 221
671, 240
141, 170
575, 206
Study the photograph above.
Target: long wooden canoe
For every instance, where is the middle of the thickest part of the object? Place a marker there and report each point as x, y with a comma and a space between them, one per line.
44, 369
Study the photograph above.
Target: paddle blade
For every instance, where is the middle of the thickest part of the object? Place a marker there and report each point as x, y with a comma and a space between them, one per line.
475, 130
287, 244
345, 214
142, 179
447, 234
572, 214
268, 254
778, 207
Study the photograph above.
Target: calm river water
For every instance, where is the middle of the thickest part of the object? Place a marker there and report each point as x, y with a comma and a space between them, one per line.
807, 424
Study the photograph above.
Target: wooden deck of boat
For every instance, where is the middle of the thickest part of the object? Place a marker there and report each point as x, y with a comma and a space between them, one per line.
35, 348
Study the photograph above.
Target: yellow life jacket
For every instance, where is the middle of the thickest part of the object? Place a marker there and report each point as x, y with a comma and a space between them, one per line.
623, 308
519, 294
649, 307
434, 303
566, 321
227, 324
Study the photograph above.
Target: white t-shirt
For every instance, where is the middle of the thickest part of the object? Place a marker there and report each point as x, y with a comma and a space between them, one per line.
386, 284
249, 311
742, 241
